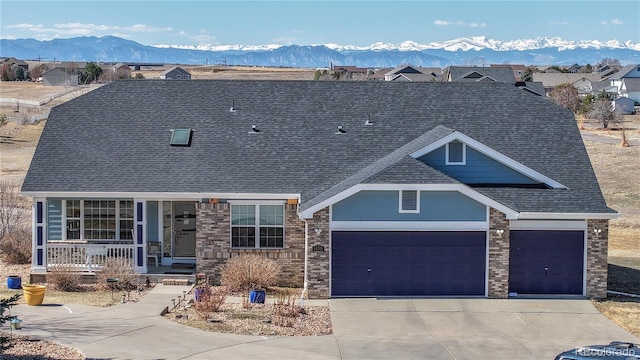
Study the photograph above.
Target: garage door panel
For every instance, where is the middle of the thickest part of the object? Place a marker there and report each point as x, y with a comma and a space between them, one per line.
546, 262
408, 263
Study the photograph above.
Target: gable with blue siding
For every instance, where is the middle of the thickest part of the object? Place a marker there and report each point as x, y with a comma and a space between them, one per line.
373, 205
478, 169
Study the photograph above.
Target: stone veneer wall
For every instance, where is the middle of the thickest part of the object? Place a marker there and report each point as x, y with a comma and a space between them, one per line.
498, 283
318, 264
213, 243
597, 247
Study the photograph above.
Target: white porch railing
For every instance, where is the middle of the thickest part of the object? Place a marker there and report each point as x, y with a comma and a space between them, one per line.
85, 257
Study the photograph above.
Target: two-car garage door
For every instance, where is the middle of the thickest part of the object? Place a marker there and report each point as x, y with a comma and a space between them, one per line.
385, 263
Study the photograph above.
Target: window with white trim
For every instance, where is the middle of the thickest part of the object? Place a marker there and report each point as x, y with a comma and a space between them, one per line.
257, 226
456, 153
99, 220
409, 201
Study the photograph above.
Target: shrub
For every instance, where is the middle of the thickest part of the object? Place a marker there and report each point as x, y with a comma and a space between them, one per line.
285, 311
64, 278
12, 207
15, 246
211, 300
246, 272
121, 269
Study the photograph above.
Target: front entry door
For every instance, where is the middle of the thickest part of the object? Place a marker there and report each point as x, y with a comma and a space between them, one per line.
184, 229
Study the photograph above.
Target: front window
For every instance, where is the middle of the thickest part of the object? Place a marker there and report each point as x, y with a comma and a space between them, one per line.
99, 219
257, 226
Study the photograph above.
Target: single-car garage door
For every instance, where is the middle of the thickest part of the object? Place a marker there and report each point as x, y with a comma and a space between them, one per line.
407, 263
546, 262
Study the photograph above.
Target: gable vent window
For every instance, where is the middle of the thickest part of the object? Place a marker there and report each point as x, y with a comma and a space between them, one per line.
181, 137
409, 201
456, 153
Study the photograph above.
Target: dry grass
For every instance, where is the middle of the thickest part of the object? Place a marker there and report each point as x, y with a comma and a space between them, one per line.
86, 297
623, 311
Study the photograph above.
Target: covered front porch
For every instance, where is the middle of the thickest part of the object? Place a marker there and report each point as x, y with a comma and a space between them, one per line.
156, 237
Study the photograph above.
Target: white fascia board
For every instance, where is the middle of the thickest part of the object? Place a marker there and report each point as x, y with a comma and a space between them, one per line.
162, 195
465, 190
409, 226
484, 149
566, 216
547, 224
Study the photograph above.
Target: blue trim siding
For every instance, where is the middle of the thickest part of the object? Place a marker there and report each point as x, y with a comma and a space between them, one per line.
152, 220
39, 212
54, 219
478, 169
39, 237
372, 205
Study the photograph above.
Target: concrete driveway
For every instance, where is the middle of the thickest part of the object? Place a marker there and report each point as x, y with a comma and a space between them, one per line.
467, 328
363, 329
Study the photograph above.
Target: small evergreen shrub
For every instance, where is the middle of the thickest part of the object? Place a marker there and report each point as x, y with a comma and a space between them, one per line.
247, 272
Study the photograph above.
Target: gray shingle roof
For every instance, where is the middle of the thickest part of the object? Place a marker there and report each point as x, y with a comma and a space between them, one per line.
499, 74
116, 138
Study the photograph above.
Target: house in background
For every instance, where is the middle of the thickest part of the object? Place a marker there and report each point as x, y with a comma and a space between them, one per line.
176, 73
410, 73
60, 76
121, 71
480, 74
357, 188
516, 68
627, 82
582, 82
350, 72
15, 63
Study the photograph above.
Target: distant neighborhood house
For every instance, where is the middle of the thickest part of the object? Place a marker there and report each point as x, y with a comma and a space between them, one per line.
176, 73
627, 82
60, 76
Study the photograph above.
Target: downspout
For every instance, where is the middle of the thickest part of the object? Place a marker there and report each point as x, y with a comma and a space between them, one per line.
306, 257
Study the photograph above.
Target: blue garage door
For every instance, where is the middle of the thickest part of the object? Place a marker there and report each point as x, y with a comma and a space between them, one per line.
546, 262
407, 263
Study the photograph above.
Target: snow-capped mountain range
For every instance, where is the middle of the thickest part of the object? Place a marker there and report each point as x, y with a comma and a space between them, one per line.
459, 44
462, 51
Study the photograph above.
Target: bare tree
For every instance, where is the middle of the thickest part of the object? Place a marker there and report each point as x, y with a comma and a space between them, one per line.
12, 208
566, 96
602, 110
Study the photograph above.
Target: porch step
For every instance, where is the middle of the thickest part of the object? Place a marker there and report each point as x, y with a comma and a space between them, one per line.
182, 282
169, 279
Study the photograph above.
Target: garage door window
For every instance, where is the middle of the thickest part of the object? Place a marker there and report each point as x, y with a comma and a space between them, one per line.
409, 201
266, 222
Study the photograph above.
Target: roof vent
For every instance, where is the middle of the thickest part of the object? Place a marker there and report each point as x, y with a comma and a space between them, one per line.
368, 122
233, 107
254, 129
341, 130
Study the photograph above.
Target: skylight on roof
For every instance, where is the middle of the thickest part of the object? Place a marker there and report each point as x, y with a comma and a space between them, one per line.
181, 137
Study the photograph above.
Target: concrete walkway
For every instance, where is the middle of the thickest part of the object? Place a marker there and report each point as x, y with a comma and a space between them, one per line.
363, 329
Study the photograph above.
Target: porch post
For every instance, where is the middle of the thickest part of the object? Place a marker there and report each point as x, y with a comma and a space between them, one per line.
139, 236
39, 236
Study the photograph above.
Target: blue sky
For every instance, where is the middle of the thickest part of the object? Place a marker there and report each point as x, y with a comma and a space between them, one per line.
358, 23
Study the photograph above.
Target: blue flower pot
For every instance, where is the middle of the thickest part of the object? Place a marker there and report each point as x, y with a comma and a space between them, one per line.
14, 282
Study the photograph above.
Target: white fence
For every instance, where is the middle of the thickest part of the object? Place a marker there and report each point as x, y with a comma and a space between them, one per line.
85, 257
